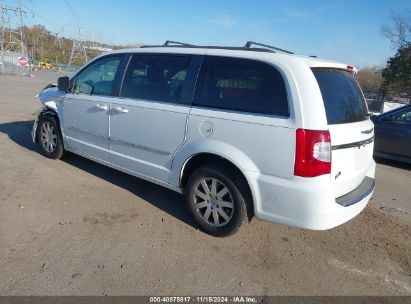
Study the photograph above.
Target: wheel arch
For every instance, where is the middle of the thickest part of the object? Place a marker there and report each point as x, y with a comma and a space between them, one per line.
49, 111
216, 148
200, 159
46, 111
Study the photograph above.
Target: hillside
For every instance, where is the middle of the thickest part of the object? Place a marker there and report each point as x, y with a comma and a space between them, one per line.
45, 45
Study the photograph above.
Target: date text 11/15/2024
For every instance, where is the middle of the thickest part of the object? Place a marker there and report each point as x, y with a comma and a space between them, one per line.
203, 299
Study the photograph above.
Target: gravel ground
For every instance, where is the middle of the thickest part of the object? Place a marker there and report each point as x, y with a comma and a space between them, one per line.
74, 227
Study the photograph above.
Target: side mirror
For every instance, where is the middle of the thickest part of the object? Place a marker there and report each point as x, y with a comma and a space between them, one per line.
374, 117
63, 83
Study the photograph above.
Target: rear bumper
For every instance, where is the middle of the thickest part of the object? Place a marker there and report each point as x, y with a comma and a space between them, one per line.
363, 190
307, 203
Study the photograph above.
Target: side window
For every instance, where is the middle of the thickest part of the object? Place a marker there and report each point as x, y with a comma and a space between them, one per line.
155, 77
98, 78
241, 85
401, 117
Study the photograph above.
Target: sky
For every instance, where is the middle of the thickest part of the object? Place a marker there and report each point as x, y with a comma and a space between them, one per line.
342, 30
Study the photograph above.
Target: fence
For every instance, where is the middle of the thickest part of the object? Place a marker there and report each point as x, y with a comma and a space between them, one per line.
9, 64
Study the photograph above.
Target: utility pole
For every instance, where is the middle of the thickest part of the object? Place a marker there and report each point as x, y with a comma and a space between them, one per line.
2, 21
34, 49
58, 38
78, 50
42, 48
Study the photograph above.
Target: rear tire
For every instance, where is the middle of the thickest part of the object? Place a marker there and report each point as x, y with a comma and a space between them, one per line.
49, 137
215, 200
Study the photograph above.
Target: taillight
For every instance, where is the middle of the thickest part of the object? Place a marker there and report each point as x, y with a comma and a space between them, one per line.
312, 153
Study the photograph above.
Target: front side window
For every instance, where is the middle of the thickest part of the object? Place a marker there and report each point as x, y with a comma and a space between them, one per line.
241, 85
155, 77
400, 117
98, 79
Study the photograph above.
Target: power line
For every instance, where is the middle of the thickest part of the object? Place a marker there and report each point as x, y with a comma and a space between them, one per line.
71, 10
35, 13
82, 40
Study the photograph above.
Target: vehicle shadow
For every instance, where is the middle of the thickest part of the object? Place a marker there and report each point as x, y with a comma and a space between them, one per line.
160, 197
392, 163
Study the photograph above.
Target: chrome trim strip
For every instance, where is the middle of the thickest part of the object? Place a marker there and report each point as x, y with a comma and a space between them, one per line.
357, 144
150, 149
89, 133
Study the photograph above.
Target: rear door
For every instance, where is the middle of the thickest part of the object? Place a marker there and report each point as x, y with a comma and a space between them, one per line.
86, 108
241, 112
148, 121
351, 130
393, 134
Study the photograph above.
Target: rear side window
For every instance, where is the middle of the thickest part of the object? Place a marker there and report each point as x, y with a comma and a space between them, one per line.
241, 85
342, 96
155, 77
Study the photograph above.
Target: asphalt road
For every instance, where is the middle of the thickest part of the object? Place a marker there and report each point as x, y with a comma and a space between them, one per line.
74, 227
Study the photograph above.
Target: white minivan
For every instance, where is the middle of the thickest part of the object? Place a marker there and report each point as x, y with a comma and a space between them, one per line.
241, 131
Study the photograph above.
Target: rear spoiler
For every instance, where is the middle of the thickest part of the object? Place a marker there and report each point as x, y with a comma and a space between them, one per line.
352, 69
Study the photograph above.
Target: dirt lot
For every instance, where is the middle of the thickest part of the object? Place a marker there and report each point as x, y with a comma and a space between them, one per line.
74, 227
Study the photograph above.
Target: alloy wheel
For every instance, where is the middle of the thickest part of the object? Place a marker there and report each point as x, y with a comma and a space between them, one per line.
48, 137
213, 202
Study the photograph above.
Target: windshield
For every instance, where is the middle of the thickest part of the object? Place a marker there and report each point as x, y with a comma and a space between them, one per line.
342, 96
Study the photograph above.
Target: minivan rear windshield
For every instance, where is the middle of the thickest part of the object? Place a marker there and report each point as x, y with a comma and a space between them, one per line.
342, 96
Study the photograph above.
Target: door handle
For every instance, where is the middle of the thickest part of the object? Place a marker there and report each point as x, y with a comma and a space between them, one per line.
120, 110
102, 107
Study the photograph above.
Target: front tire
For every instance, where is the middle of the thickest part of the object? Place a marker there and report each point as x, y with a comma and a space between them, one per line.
49, 137
215, 200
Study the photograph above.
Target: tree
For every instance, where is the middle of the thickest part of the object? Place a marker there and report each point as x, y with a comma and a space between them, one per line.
397, 74
400, 32
43, 45
370, 79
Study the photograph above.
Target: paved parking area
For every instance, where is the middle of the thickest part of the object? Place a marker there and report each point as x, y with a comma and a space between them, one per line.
74, 227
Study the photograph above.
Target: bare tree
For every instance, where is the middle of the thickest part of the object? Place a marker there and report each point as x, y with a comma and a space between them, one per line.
400, 32
370, 79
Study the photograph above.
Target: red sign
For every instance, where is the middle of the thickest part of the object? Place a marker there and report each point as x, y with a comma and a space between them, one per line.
23, 61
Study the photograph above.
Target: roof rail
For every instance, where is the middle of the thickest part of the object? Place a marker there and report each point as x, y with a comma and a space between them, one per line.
250, 43
168, 42
246, 47
186, 45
